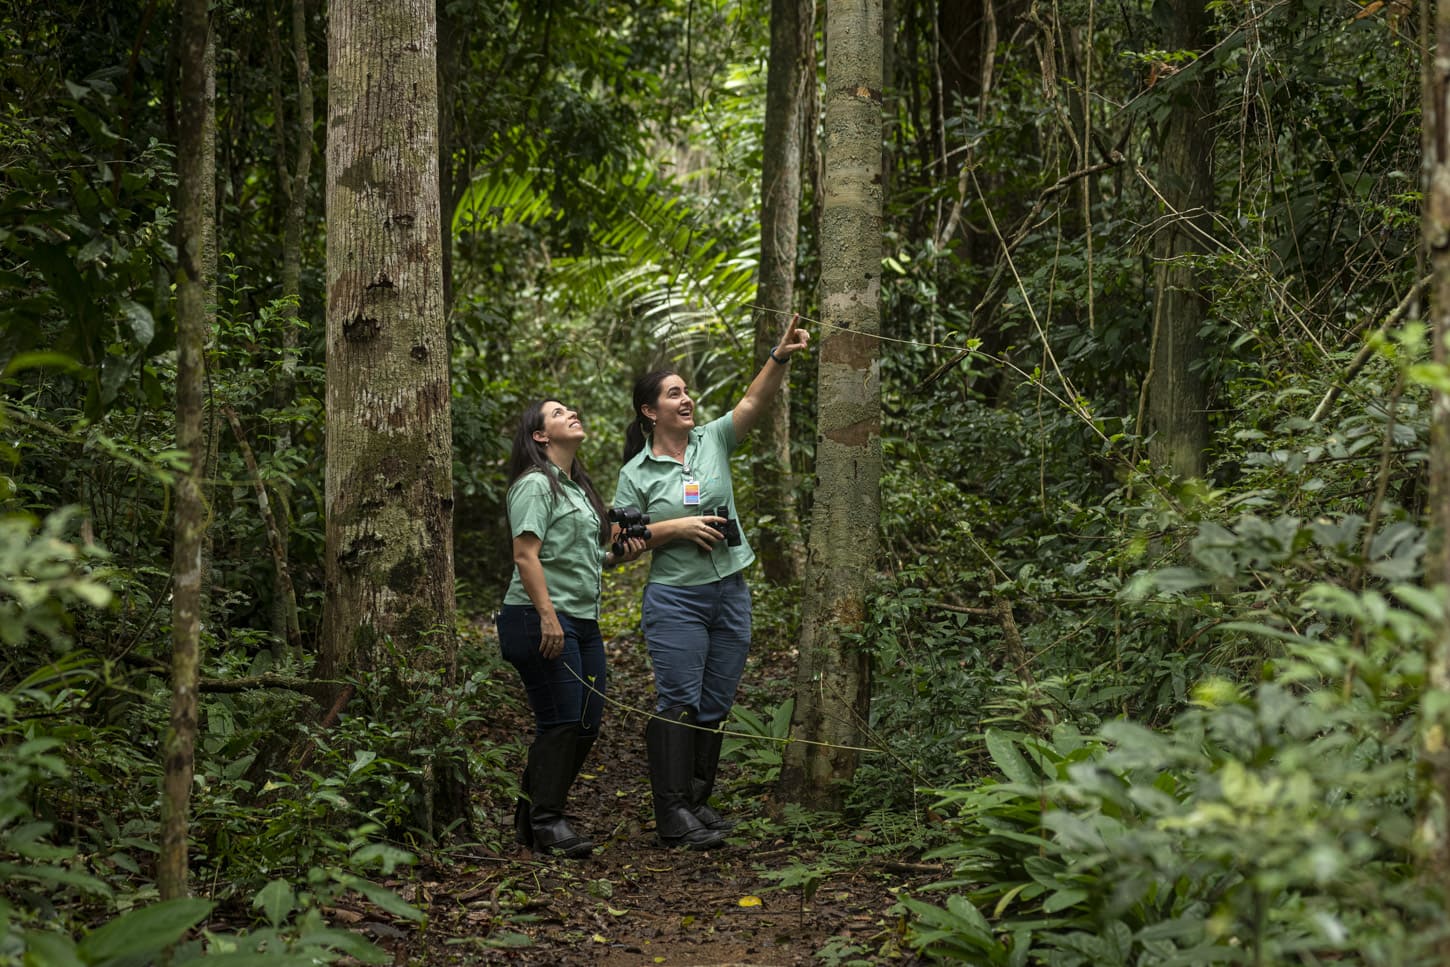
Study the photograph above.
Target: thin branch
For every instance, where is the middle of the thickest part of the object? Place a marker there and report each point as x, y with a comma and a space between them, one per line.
1409, 302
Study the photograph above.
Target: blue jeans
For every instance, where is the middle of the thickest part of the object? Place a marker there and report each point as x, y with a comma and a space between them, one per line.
556, 689
698, 638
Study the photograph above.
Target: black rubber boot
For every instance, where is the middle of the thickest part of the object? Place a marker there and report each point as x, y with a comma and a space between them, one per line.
583, 742
670, 741
551, 770
702, 785
523, 832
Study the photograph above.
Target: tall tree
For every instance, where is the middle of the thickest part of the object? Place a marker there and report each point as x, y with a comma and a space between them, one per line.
1436, 229
294, 179
1177, 393
194, 176
792, 67
388, 491
833, 678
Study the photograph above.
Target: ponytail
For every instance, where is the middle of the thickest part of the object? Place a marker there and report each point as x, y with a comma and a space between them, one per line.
646, 393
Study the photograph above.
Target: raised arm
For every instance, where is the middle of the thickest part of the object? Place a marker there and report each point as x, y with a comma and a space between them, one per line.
766, 385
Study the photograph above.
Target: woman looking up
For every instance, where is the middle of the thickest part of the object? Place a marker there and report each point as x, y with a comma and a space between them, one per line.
548, 627
696, 610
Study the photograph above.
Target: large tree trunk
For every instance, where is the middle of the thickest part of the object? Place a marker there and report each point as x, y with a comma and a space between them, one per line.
193, 176
389, 486
1436, 183
389, 490
792, 67
833, 677
1177, 394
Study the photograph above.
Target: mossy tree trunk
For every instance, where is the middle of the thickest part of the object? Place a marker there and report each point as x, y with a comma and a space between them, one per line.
1177, 392
194, 175
833, 678
389, 491
792, 67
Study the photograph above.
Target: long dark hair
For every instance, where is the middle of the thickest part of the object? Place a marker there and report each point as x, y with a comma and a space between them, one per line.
646, 393
528, 455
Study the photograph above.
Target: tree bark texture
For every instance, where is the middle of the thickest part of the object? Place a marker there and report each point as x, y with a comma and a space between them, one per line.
1177, 394
389, 491
1436, 725
295, 179
179, 744
833, 677
792, 67
210, 246
451, 180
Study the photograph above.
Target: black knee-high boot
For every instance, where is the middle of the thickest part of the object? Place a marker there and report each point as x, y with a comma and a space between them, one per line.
553, 762
670, 740
523, 832
702, 785
523, 829
583, 742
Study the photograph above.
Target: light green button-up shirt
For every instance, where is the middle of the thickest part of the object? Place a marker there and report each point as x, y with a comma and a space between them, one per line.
656, 486
571, 554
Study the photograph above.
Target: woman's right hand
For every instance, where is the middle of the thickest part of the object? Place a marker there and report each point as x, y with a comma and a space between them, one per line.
702, 530
551, 636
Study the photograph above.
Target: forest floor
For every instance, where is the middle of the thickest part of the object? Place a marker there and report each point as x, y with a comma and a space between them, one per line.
634, 902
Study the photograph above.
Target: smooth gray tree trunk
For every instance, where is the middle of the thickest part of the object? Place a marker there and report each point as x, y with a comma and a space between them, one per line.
833, 681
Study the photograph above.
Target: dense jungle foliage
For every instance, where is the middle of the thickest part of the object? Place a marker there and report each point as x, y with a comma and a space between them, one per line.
1139, 719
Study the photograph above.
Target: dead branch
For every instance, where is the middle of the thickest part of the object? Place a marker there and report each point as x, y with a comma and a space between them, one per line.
307, 686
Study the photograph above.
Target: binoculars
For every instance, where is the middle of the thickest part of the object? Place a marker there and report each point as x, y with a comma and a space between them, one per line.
730, 527
631, 524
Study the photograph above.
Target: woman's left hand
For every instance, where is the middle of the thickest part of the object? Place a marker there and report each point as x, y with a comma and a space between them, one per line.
633, 548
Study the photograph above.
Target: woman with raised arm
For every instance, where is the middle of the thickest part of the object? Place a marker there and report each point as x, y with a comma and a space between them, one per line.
696, 605
548, 628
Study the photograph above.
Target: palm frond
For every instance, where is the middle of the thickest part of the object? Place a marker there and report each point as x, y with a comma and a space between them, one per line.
655, 253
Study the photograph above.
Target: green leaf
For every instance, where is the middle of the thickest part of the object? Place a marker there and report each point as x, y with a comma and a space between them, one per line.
1010, 760
353, 944
20, 362
275, 900
1063, 899
146, 930
50, 950
382, 896
387, 857
251, 959
361, 760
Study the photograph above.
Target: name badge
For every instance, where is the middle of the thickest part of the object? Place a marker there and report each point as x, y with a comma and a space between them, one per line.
692, 493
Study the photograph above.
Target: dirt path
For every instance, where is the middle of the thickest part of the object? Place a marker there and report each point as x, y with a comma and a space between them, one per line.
634, 903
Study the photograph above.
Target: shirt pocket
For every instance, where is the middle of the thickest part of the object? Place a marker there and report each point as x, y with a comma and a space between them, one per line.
577, 522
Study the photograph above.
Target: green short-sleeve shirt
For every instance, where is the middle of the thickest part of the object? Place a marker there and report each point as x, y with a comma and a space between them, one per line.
571, 553
656, 486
